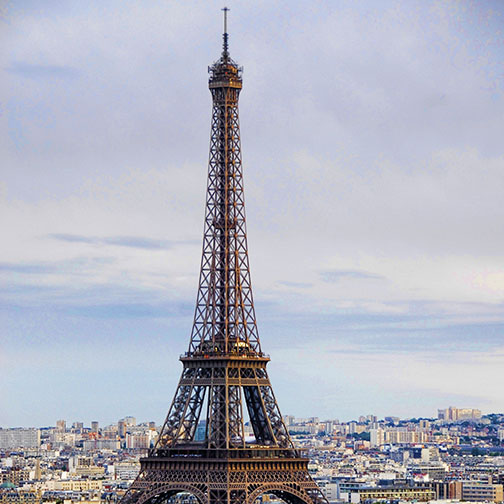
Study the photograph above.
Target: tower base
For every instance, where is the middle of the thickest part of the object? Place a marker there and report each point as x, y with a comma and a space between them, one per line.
224, 477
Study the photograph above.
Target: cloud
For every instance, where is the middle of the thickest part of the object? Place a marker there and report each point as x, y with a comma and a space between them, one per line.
420, 380
296, 285
130, 310
28, 268
121, 241
33, 71
337, 275
55, 267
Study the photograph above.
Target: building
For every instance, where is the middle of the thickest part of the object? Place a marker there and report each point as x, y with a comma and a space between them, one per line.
330, 490
424, 425
101, 444
477, 491
126, 470
61, 439
303, 429
379, 437
78, 426
77, 485
393, 493
121, 428
12, 496
61, 425
453, 414
11, 439
434, 471
138, 441
289, 420
15, 476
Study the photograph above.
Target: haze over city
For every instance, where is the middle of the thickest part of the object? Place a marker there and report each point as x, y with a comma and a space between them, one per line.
373, 164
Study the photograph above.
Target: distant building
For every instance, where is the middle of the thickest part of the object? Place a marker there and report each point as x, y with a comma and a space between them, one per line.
19, 497
61, 425
329, 489
11, 439
61, 439
137, 441
78, 426
431, 471
14, 477
326, 427
424, 425
126, 470
303, 429
74, 485
101, 444
476, 491
200, 431
392, 419
289, 420
379, 437
121, 429
393, 493
453, 414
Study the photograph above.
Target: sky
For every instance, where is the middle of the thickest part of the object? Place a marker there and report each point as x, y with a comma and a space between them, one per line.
374, 172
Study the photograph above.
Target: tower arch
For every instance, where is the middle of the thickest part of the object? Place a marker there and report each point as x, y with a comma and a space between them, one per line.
160, 494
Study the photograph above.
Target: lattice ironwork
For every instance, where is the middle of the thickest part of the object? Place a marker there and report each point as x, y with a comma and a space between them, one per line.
224, 378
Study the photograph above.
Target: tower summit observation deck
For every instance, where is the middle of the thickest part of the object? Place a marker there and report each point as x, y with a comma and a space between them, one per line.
224, 378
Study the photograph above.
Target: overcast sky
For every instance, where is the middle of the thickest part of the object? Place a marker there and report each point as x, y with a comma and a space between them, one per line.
373, 152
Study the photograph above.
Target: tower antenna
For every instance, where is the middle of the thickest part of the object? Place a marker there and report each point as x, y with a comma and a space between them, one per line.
225, 51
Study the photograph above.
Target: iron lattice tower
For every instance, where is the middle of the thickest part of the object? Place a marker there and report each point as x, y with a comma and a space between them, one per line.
224, 367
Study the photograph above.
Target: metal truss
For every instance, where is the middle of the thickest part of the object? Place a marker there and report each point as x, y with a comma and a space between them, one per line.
224, 368
214, 482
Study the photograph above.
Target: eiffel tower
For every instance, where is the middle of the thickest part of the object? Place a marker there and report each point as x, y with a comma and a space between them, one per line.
224, 367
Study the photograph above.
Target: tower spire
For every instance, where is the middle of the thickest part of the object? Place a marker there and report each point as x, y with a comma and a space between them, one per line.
225, 36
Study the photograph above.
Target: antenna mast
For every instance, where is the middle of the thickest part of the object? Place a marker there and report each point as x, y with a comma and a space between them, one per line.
225, 51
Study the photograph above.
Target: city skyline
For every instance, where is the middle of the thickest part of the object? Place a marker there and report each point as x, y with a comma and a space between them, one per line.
362, 418
373, 178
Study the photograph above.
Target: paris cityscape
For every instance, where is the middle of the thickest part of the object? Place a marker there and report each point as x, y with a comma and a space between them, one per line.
374, 173
457, 455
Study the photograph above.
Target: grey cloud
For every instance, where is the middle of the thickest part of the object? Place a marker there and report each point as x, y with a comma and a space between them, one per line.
405, 327
122, 241
47, 267
93, 300
33, 71
72, 238
298, 285
131, 310
331, 276
32, 268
